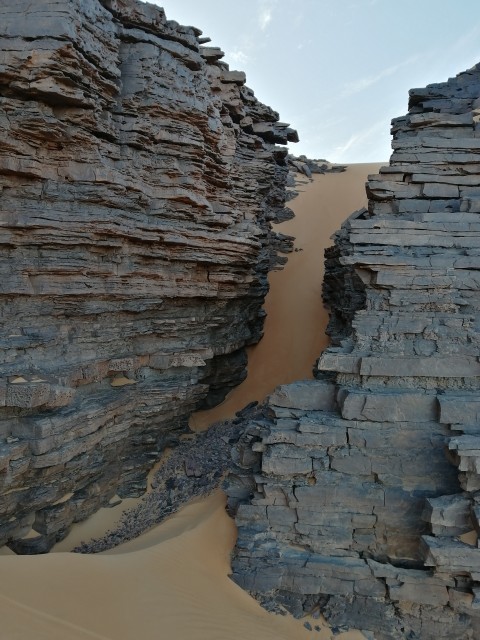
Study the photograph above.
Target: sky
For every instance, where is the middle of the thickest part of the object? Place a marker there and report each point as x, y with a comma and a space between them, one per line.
339, 70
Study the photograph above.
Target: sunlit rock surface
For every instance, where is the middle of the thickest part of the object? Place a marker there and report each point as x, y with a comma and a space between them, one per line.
138, 177
362, 481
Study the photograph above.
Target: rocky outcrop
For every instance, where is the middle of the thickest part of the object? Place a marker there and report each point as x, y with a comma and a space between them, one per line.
366, 477
307, 166
302, 167
139, 177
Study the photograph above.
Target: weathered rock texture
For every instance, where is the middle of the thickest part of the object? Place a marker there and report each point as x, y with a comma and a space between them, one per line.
368, 475
303, 167
138, 180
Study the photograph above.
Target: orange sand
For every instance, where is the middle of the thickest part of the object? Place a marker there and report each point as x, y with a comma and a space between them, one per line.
172, 582
294, 333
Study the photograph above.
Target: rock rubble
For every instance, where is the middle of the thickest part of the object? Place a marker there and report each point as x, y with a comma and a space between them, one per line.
369, 474
139, 177
195, 467
301, 170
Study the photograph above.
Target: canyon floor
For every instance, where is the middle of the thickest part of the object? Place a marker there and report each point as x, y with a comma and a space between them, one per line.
172, 582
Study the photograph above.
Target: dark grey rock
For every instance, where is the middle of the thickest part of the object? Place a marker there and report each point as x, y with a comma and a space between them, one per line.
306, 395
137, 237
449, 515
368, 533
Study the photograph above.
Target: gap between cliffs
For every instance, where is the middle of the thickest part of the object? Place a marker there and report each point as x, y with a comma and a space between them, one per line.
294, 336
294, 331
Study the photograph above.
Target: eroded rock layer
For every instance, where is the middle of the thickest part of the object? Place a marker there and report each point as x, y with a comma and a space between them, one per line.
138, 180
363, 479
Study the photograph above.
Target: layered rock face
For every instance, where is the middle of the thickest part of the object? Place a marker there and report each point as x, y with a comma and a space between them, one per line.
364, 478
138, 179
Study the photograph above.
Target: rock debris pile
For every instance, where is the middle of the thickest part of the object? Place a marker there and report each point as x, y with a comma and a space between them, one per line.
369, 475
307, 166
139, 177
194, 468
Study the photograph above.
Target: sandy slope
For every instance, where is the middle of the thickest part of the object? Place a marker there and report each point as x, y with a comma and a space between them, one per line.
172, 583
296, 319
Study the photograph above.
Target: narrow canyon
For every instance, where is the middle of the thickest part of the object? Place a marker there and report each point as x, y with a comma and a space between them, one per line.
146, 212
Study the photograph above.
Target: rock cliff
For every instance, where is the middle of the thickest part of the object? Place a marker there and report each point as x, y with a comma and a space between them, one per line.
139, 177
362, 480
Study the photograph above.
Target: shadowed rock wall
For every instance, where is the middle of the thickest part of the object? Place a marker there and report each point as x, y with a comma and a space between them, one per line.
364, 478
138, 180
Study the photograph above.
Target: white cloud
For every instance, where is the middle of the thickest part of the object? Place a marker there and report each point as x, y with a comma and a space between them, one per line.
458, 56
466, 39
237, 56
265, 13
265, 17
361, 84
350, 142
361, 138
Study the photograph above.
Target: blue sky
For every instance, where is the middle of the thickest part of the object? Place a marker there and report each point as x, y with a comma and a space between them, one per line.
339, 70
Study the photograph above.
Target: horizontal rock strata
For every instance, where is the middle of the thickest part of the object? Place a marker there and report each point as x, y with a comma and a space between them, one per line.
139, 177
368, 475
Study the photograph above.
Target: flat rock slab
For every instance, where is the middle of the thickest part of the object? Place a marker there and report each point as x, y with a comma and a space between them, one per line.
306, 395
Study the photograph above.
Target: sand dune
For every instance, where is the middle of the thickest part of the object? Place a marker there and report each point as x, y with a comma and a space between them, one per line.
158, 586
172, 582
